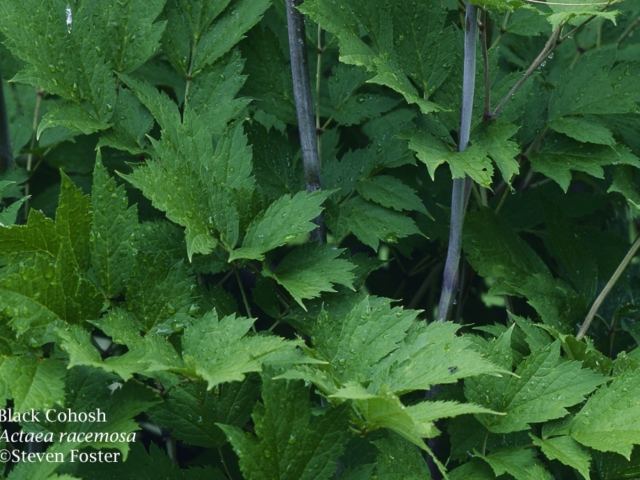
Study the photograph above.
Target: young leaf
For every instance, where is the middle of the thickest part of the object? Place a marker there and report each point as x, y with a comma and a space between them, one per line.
289, 442
113, 231
308, 271
284, 220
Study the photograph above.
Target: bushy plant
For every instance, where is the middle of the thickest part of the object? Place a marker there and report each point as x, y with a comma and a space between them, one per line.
172, 257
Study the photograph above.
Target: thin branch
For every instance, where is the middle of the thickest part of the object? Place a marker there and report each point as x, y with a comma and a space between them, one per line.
607, 288
304, 107
318, 78
487, 74
461, 186
629, 30
6, 152
548, 48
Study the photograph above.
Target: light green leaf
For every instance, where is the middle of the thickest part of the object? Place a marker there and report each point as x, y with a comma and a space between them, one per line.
362, 106
113, 232
626, 180
609, 421
354, 343
284, 220
494, 139
566, 450
476, 469
390, 192
38, 235
219, 351
450, 358
290, 443
308, 271
541, 391
130, 125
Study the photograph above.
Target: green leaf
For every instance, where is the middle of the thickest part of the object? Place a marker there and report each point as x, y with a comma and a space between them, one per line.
73, 221
219, 351
131, 124
269, 82
566, 450
289, 443
354, 343
191, 412
211, 98
397, 458
343, 22
474, 470
541, 391
514, 461
449, 357
133, 35
156, 292
33, 383
626, 180
595, 86
390, 192
370, 223
284, 220
113, 231
583, 130
9, 214
494, 139
308, 271
362, 106
557, 158
609, 421
38, 235
72, 116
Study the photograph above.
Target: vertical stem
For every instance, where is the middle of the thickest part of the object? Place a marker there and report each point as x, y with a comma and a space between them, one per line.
461, 186
6, 152
304, 107
318, 77
32, 144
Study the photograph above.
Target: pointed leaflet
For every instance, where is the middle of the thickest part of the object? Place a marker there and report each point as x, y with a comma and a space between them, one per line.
430, 355
156, 291
375, 18
354, 343
9, 214
515, 461
566, 450
212, 96
390, 192
397, 458
219, 351
556, 159
182, 181
32, 383
113, 231
583, 130
369, 222
290, 443
269, 82
284, 220
609, 421
541, 391
73, 220
129, 26
89, 389
200, 32
65, 62
190, 412
38, 235
312, 269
